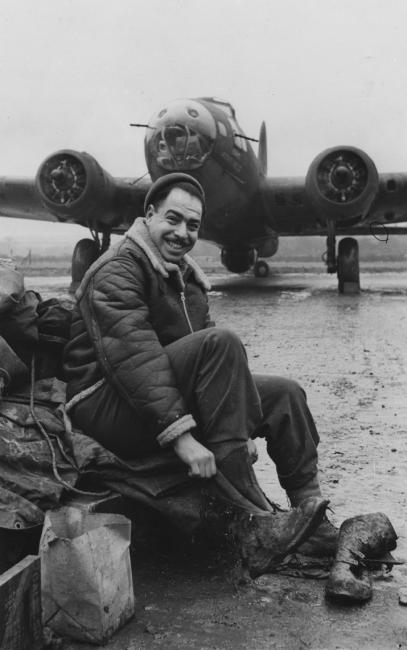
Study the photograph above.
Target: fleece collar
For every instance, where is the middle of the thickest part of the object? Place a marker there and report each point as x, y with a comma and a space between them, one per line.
140, 235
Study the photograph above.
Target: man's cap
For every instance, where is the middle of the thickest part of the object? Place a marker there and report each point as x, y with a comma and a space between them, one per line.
169, 180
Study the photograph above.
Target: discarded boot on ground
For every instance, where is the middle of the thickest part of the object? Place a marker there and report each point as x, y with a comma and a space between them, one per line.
361, 538
266, 538
322, 543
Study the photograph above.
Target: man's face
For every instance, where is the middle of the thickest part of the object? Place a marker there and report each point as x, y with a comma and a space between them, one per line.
174, 224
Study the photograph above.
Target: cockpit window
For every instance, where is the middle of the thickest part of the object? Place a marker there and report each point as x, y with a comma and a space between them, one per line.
179, 146
224, 106
222, 129
181, 136
192, 112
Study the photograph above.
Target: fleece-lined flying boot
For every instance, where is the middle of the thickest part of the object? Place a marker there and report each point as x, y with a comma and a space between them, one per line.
361, 538
266, 539
322, 543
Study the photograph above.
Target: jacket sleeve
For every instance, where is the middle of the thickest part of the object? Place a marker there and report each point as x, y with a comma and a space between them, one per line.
115, 309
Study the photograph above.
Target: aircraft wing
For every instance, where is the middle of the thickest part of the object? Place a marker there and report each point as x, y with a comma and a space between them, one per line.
342, 188
19, 198
71, 187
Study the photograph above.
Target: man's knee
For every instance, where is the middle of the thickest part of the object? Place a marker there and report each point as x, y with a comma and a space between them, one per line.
225, 340
293, 389
273, 389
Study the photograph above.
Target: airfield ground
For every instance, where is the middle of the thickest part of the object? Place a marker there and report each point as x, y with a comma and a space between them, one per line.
350, 354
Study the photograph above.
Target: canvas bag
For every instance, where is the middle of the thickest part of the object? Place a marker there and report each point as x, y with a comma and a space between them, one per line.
11, 286
87, 587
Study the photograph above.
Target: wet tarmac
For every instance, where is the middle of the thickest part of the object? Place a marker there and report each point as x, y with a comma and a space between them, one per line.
349, 352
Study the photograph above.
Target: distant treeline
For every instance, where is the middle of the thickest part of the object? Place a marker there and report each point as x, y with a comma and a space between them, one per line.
312, 248
291, 249
42, 260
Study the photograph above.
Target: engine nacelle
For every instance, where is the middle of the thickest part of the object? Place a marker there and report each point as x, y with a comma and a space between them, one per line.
238, 260
268, 247
74, 187
342, 183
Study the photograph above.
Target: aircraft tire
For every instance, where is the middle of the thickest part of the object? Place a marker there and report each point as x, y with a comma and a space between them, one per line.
261, 269
348, 266
85, 253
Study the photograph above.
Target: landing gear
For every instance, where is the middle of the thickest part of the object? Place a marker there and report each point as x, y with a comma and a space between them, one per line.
330, 258
348, 266
261, 269
85, 253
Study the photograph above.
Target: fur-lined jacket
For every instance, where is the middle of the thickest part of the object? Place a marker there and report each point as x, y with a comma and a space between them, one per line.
131, 304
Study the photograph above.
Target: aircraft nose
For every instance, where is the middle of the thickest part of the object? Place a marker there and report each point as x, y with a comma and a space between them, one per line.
180, 136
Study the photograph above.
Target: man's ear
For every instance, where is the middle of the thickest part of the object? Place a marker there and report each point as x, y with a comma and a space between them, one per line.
150, 212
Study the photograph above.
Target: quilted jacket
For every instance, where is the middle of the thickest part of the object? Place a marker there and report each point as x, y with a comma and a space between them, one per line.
131, 303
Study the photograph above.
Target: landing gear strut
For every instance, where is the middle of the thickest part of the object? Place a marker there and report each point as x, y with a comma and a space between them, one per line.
331, 248
261, 269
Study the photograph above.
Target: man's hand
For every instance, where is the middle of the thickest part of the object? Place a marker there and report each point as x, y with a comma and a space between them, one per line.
252, 449
201, 461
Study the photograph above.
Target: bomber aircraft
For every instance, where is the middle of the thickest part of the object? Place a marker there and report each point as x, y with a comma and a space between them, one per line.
247, 211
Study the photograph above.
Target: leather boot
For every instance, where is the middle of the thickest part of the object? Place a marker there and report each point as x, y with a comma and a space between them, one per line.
322, 543
265, 539
361, 538
237, 468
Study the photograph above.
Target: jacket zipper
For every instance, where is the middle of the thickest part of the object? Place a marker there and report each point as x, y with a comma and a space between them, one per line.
184, 305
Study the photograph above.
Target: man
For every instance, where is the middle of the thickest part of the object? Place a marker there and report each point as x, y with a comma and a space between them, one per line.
146, 370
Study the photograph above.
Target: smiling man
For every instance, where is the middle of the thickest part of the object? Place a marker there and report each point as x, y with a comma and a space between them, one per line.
175, 222
149, 376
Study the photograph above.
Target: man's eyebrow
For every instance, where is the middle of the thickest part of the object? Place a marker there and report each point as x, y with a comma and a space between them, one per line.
180, 214
172, 211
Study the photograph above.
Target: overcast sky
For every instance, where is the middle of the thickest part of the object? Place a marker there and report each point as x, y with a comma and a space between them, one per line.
75, 73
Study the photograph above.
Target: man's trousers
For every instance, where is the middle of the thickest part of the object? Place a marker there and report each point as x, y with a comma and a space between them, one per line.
229, 403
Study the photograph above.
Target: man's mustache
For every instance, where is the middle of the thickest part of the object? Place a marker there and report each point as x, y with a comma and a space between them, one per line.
182, 241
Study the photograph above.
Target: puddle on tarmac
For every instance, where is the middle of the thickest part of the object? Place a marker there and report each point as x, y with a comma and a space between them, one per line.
296, 296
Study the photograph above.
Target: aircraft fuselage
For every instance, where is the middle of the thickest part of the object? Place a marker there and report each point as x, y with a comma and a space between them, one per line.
341, 194
202, 137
